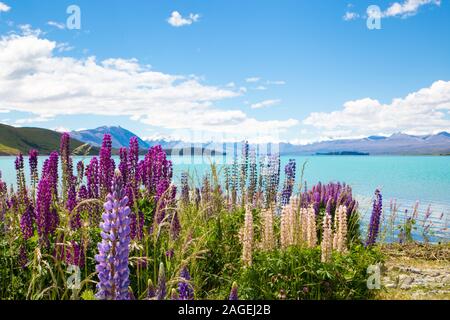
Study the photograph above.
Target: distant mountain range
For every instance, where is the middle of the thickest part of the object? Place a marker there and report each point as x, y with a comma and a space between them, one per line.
396, 144
14, 140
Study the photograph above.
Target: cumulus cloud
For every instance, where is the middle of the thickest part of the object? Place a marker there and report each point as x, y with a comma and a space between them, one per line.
177, 20
408, 7
34, 79
421, 112
4, 7
265, 103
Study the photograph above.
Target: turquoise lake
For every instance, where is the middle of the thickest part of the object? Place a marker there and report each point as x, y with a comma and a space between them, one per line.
405, 178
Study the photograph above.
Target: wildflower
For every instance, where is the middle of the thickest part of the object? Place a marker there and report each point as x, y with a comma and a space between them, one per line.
33, 162
374, 225
106, 165
327, 233
112, 260
311, 229
161, 290
184, 188
247, 245
268, 239
287, 228
186, 292
26, 222
80, 172
66, 164
133, 159
21, 185
340, 229
234, 292
92, 178
75, 254
289, 182
50, 172
43, 212
123, 165
75, 220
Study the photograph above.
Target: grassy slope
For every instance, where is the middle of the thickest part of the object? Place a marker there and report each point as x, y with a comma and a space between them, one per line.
45, 141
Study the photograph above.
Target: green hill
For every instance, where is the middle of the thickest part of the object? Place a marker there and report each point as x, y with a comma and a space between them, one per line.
13, 140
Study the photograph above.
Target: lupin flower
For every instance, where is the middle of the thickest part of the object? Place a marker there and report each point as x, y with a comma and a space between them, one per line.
43, 212
253, 177
20, 175
93, 179
123, 165
247, 239
133, 159
66, 164
268, 239
184, 287
50, 172
74, 254
311, 227
33, 162
340, 231
374, 225
112, 260
288, 226
161, 290
75, 219
327, 238
184, 188
26, 222
289, 181
234, 292
106, 165
80, 172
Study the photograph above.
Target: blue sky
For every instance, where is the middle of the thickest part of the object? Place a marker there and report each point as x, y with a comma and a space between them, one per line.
287, 70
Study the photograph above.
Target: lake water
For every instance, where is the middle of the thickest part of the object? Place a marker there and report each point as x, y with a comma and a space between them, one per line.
406, 178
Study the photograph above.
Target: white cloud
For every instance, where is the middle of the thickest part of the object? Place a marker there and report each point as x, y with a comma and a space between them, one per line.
350, 16
27, 30
231, 85
4, 7
177, 20
420, 112
252, 79
265, 103
57, 25
34, 79
408, 7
